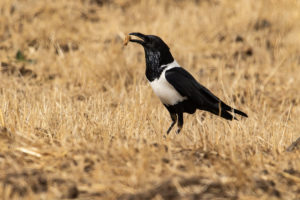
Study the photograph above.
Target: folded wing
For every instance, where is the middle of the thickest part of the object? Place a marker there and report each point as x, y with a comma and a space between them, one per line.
187, 86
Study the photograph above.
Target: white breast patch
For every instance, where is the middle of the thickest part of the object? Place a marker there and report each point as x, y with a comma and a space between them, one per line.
164, 90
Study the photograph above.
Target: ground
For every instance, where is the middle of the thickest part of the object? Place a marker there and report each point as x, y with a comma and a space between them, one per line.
79, 120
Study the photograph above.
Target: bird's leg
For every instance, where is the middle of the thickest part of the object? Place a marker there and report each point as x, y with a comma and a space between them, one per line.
180, 122
174, 119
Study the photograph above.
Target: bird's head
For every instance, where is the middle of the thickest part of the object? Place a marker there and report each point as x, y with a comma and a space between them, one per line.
156, 49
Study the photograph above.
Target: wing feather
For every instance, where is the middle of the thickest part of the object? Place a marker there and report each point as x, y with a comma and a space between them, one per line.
187, 86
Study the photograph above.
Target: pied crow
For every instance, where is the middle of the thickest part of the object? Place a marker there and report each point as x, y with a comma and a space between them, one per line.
176, 88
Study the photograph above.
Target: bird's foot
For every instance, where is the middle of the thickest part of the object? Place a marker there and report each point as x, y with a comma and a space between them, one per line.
178, 130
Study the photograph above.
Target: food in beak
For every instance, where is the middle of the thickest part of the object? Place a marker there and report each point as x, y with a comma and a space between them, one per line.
126, 40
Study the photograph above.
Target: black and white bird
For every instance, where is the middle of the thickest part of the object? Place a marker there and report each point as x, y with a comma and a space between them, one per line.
176, 88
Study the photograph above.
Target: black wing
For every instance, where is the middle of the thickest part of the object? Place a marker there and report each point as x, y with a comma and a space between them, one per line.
187, 86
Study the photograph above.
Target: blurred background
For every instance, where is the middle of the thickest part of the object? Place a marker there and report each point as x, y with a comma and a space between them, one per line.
79, 120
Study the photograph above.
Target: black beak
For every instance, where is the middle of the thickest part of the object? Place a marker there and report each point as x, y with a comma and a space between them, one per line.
139, 35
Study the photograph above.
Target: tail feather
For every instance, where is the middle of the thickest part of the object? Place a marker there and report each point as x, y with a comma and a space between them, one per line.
223, 113
240, 112
227, 115
223, 110
230, 109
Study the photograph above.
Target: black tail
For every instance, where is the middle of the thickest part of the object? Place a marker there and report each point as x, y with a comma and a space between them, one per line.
230, 109
223, 110
239, 112
226, 115
222, 113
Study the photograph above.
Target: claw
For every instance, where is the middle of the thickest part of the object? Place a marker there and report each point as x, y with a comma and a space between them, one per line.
178, 130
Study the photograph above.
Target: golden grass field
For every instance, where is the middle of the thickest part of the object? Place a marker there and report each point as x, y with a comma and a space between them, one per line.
79, 120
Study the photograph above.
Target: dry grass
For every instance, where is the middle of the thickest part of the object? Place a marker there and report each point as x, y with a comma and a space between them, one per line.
79, 120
